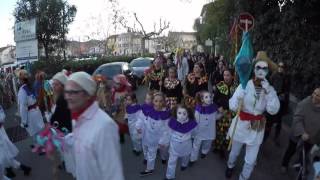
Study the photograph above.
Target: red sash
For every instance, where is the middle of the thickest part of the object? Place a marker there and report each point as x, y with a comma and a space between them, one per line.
249, 117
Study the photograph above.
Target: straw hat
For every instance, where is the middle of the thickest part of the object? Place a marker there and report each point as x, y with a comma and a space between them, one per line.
262, 56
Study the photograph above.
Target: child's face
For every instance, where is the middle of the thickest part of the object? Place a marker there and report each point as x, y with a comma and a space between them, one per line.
158, 102
182, 115
129, 100
207, 98
148, 99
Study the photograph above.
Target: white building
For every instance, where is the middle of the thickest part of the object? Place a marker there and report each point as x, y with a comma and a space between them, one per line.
128, 43
186, 40
7, 55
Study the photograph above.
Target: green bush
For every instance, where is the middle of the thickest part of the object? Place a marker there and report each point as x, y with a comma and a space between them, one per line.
53, 65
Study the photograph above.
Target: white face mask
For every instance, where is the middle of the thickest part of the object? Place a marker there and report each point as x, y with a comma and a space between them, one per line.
207, 98
261, 70
182, 115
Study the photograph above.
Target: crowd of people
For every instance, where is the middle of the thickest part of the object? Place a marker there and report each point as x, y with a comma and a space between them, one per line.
194, 105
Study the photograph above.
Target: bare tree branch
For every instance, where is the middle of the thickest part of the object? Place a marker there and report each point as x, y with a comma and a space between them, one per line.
135, 16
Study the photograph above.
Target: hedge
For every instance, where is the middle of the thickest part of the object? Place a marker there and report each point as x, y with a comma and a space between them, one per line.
53, 65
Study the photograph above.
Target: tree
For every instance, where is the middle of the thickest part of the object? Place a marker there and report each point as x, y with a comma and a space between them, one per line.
163, 25
53, 18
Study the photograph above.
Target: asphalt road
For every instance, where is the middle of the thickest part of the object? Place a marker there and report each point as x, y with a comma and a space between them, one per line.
210, 168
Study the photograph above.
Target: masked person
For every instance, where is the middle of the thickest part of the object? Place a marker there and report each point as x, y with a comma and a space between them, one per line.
31, 117
247, 128
182, 125
94, 140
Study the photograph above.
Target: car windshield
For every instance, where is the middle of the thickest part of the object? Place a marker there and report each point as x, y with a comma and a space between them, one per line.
109, 71
140, 63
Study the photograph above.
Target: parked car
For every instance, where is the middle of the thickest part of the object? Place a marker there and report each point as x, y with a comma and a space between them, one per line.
110, 70
139, 65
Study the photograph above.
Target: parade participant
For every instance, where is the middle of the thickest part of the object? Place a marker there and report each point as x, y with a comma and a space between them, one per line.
8, 152
132, 111
103, 93
155, 74
154, 129
206, 115
172, 88
31, 117
217, 75
305, 126
43, 93
196, 81
181, 126
61, 117
258, 96
120, 89
223, 92
93, 133
281, 83
182, 64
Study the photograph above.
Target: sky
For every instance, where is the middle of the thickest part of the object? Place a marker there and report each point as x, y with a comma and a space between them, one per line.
93, 19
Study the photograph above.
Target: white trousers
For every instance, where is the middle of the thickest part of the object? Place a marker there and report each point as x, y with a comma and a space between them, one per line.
136, 142
150, 154
172, 163
250, 158
205, 146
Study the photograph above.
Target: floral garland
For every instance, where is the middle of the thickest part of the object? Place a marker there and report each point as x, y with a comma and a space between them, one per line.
224, 89
192, 78
171, 84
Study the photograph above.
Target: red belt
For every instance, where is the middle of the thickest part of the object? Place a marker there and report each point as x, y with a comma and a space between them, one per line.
32, 106
250, 117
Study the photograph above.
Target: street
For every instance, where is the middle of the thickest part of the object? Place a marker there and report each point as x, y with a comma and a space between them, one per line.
212, 167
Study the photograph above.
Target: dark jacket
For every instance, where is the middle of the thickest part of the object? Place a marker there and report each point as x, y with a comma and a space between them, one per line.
62, 114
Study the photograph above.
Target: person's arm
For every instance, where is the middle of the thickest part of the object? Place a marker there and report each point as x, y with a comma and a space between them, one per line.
234, 101
298, 120
107, 152
273, 103
23, 106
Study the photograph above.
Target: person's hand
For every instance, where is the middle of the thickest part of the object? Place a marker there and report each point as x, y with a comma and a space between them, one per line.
265, 85
241, 95
220, 109
23, 125
305, 136
160, 83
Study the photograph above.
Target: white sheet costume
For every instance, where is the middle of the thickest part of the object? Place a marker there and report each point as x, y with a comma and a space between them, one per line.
180, 144
254, 106
182, 67
31, 116
155, 129
8, 150
95, 145
133, 112
206, 117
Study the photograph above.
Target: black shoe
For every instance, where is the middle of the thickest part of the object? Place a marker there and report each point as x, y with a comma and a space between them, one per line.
41, 153
167, 179
26, 170
10, 173
164, 162
62, 166
182, 168
145, 162
137, 153
229, 172
203, 156
145, 173
32, 146
191, 163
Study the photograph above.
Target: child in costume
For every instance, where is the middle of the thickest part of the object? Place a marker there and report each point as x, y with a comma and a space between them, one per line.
206, 115
181, 126
120, 88
154, 129
133, 111
8, 152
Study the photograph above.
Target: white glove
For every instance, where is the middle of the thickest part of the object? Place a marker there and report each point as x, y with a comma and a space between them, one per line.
265, 85
69, 140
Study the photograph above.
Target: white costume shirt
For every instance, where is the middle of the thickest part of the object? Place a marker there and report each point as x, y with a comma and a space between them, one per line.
8, 151
252, 105
155, 127
133, 113
206, 117
96, 146
179, 137
183, 69
33, 117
